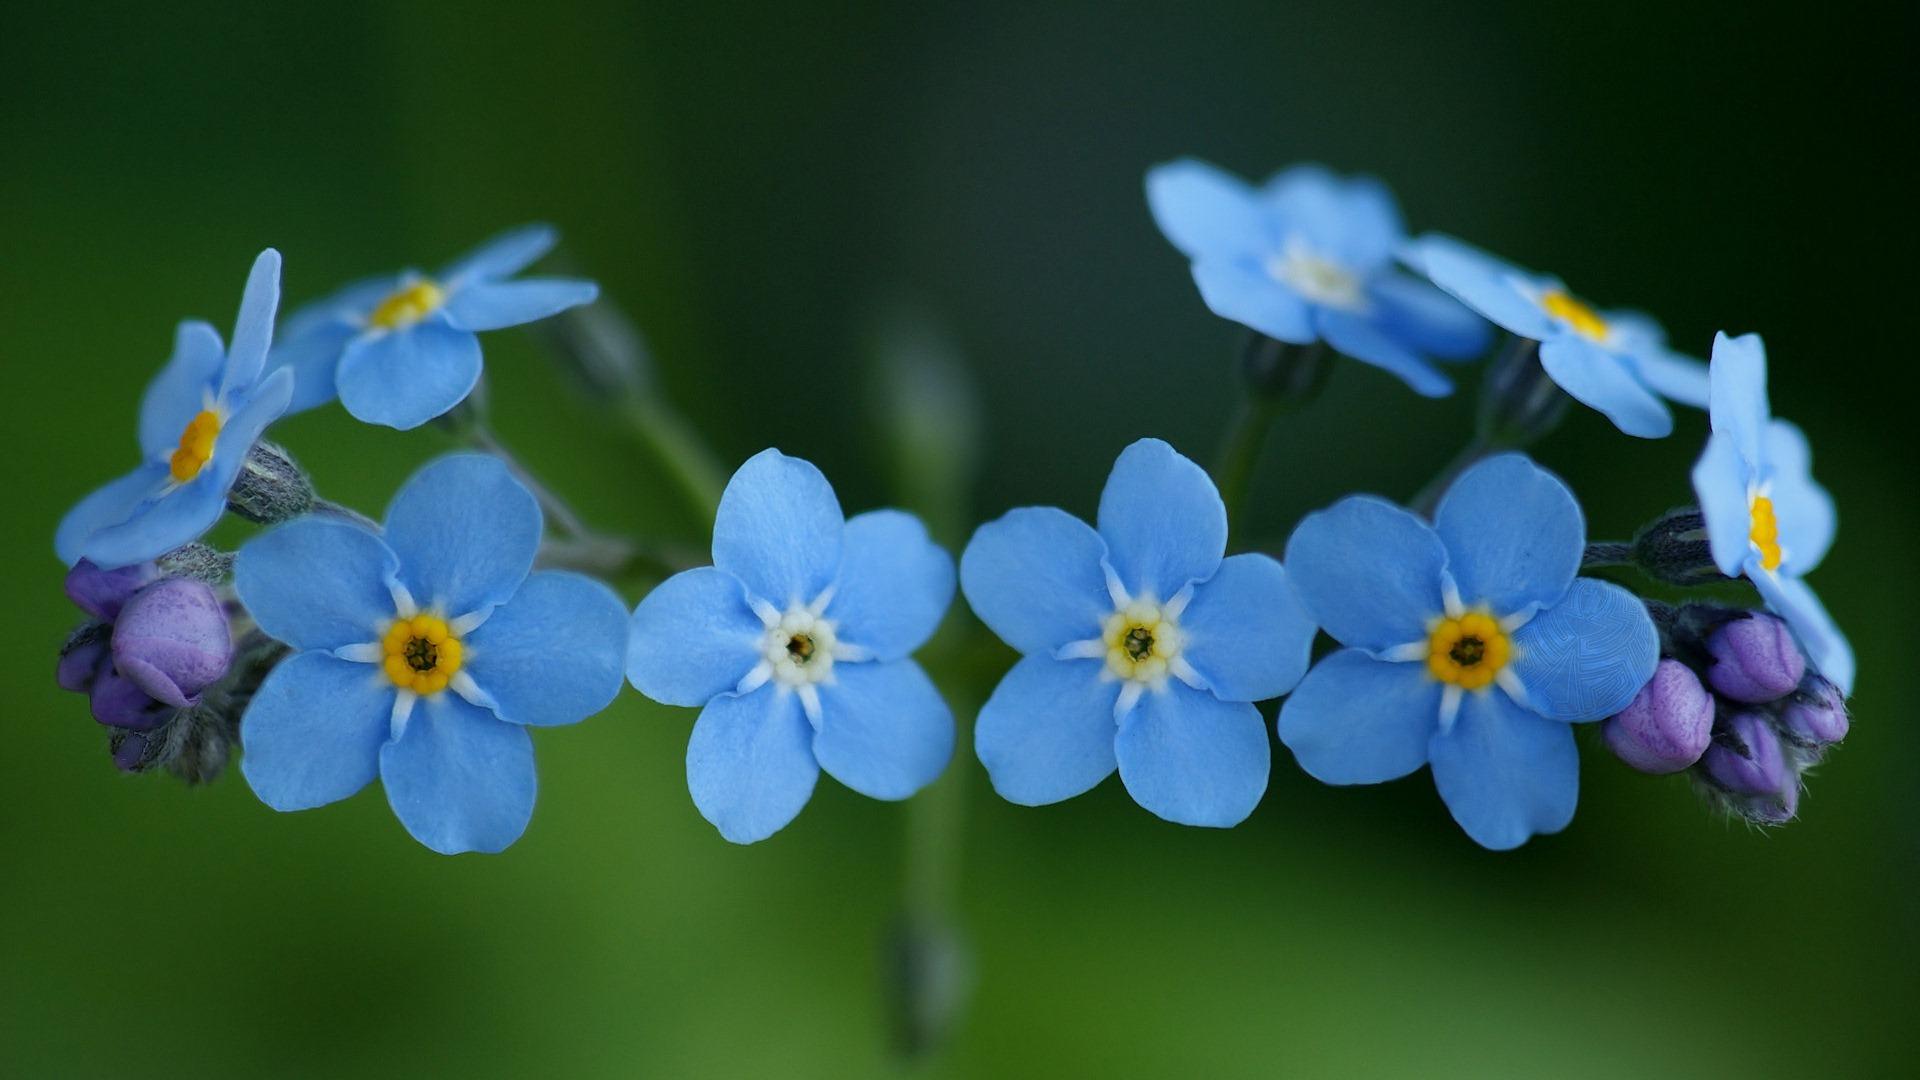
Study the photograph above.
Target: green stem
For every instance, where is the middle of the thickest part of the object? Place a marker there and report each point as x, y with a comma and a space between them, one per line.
562, 516
1607, 553
1240, 452
673, 442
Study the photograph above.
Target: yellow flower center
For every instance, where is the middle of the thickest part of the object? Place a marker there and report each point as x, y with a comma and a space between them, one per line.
1142, 641
1765, 534
1575, 313
407, 305
421, 654
1469, 651
196, 446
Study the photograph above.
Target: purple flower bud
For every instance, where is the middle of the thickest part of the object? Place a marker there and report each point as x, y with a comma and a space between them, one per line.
172, 640
119, 702
130, 751
1816, 714
1748, 758
1668, 724
101, 593
81, 660
1755, 659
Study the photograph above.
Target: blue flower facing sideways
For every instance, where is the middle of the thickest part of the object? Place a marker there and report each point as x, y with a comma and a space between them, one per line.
402, 349
423, 652
1309, 257
1471, 646
1766, 517
199, 418
796, 645
1143, 646
1616, 362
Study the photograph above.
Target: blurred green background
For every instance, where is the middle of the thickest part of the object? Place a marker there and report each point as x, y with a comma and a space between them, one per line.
752, 182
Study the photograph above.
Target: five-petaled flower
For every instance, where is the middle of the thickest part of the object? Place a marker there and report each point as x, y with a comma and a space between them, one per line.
1766, 517
1616, 362
402, 349
199, 418
1143, 646
1470, 646
796, 642
424, 652
1310, 257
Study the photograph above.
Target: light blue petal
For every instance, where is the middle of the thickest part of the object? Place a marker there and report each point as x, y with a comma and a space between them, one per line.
253, 327
1802, 507
1737, 395
460, 778
317, 583
487, 305
1586, 657
553, 654
885, 731
1357, 720
693, 638
182, 389
1194, 759
1429, 321
1240, 291
1047, 732
1356, 336
779, 529
1672, 376
1720, 482
1368, 572
404, 378
1246, 632
466, 532
109, 505
750, 764
1205, 211
1162, 519
312, 734
1482, 282
503, 255
1795, 602
1505, 773
312, 339
1353, 221
1034, 578
895, 584
1602, 381
1514, 535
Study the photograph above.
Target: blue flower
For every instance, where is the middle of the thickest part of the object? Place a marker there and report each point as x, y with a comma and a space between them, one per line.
1470, 647
795, 642
1616, 361
402, 349
1143, 647
422, 655
1309, 257
1766, 518
200, 417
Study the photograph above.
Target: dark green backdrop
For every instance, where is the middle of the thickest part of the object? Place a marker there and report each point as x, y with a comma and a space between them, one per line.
751, 182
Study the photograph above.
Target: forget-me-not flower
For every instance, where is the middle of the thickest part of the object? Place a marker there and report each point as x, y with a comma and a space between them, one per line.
199, 418
1616, 362
796, 643
1766, 517
402, 349
1307, 257
1471, 646
423, 652
1143, 646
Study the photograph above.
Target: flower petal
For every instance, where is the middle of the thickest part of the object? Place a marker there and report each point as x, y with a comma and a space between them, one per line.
1586, 657
1672, 376
693, 638
1352, 220
1480, 281
779, 529
404, 378
1358, 337
895, 584
1802, 507
1238, 290
1246, 632
466, 532
553, 654
1205, 211
1047, 732
313, 732
182, 389
885, 731
1357, 720
1737, 396
489, 305
110, 504
1720, 481
502, 256
1034, 578
316, 583
1428, 320
312, 339
1192, 758
460, 778
1162, 519
1514, 534
750, 764
1368, 572
253, 327
1505, 773
1825, 644
1600, 380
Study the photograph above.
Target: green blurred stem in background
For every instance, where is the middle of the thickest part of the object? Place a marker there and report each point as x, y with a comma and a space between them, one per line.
1279, 379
